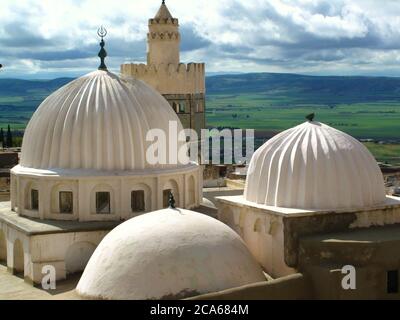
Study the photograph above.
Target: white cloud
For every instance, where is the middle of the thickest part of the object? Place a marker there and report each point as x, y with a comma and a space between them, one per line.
54, 38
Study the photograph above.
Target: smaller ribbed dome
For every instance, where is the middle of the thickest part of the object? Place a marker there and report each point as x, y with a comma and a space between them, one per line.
168, 254
314, 166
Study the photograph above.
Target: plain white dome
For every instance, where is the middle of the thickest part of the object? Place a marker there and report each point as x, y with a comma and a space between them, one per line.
314, 166
98, 121
168, 254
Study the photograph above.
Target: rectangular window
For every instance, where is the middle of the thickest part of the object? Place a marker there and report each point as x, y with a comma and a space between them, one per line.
34, 199
199, 107
166, 198
182, 107
137, 201
66, 202
223, 172
103, 203
393, 281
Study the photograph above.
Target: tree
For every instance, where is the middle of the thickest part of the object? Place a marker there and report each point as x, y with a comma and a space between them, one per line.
2, 137
9, 142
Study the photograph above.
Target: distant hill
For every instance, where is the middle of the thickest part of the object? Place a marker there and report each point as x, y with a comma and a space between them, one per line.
20, 98
311, 89
16, 87
308, 89
244, 94
365, 107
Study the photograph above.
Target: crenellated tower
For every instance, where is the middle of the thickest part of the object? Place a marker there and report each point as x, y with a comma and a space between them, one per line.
163, 39
183, 85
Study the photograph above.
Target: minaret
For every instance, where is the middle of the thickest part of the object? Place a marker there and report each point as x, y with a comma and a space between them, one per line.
163, 39
183, 85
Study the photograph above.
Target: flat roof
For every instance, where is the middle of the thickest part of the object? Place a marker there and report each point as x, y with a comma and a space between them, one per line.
240, 201
31, 226
377, 234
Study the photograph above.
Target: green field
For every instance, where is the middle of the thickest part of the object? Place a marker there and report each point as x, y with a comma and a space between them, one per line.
17, 110
386, 153
269, 115
17, 118
364, 107
20, 98
375, 120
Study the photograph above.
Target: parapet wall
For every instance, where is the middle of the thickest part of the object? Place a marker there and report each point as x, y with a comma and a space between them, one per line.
168, 21
294, 287
170, 79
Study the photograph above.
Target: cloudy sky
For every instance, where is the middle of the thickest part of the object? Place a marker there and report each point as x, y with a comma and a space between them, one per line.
48, 38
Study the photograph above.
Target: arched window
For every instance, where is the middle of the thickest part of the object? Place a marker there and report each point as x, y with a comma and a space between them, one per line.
31, 198
18, 254
257, 226
66, 202
199, 106
103, 203
62, 198
175, 107
166, 194
3, 248
170, 186
102, 199
192, 191
137, 201
182, 107
34, 199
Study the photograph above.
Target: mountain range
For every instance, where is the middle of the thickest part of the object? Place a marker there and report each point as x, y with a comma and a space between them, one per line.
311, 89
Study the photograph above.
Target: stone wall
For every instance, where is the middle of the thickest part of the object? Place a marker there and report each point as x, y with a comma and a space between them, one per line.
171, 78
294, 287
272, 234
190, 110
186, 184
67, 252
163, 41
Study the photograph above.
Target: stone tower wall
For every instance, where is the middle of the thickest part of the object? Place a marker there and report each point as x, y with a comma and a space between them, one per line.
183, 86
170, 79
163, 41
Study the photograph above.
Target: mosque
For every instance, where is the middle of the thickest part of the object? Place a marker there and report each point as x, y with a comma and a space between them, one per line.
85, 198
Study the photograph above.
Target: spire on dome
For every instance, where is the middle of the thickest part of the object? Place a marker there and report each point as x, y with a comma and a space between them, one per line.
163, 12
102, 32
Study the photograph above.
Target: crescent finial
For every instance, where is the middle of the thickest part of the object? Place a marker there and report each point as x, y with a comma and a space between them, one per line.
102, 32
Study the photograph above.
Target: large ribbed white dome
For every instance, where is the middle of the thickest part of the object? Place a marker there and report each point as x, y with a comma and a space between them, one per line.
314, 166
168, 254
98, 121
